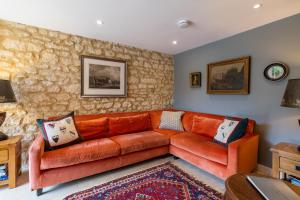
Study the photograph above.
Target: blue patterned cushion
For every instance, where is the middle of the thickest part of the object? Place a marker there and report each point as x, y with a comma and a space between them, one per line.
230, 130
60, 132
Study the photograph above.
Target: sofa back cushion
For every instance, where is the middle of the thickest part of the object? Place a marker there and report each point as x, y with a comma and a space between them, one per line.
129, 124
115, 114
155, 118
205, 126
93, 128
187, 121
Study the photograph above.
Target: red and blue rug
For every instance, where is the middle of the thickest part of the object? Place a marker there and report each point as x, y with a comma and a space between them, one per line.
163, 182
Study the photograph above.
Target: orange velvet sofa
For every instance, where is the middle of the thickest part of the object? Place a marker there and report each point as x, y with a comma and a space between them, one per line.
117, 150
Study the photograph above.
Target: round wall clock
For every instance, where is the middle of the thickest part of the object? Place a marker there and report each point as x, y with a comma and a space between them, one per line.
276, 71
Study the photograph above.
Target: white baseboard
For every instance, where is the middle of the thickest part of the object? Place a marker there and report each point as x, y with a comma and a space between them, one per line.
264, 170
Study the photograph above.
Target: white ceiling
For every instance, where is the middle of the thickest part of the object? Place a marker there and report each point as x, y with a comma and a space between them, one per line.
149, 24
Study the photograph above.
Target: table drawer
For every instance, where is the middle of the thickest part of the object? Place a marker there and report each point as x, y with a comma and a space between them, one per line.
3, 155
290, 165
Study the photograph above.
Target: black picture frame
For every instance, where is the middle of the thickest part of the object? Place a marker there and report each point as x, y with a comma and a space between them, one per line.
195, 79
86, 91
278, 68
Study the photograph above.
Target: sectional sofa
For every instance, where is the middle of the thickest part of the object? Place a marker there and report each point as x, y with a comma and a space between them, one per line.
134, 137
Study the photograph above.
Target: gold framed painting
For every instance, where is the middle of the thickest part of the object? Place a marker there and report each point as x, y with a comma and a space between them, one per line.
195, 79
229, 76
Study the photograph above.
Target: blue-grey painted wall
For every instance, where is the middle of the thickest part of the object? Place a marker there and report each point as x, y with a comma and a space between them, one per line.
278, 41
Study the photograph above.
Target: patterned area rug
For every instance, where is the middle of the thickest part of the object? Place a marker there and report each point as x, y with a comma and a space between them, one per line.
163, 182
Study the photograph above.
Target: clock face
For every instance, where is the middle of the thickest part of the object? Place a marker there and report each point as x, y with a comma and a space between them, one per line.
276, 71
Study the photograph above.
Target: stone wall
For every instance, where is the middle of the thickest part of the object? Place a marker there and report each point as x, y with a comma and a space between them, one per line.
44, 67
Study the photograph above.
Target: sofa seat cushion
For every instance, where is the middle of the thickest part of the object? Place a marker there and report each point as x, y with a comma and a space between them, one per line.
201, 146
167, 132
140, 141
80, 153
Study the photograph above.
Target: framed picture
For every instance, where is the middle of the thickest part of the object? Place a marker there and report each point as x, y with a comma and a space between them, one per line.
229, 77
102, 77
195, 79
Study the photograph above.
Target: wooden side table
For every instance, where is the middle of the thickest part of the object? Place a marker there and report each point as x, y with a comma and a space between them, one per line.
239, 188
10, 154
285, 160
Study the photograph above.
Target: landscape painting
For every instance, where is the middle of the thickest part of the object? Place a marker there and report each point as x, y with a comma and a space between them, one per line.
105, 77
102, 77
229, 77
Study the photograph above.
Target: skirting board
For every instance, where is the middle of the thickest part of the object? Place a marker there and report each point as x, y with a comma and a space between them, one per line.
264, 170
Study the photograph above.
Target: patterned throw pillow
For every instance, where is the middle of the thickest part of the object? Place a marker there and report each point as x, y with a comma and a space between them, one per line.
230, 130
171, 120
59, 132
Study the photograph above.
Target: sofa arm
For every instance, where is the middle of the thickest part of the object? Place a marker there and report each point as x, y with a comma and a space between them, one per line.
36, 151
242, 155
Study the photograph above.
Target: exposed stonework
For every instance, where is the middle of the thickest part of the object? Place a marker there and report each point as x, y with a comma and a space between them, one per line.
44, 67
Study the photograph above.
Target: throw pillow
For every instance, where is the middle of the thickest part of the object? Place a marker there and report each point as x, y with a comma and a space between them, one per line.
93, 129
129, 124
171, 120
231, 130
59, 132
205, 126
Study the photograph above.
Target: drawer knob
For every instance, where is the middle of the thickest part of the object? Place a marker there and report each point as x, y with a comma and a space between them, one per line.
297, 168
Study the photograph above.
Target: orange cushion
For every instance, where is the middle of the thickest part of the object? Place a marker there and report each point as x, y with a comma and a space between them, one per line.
129, 124
167, 132
80, 153
250, 128
93, 129
186, 137
140, 141
187, 121
155, 118
201, 146
205, 126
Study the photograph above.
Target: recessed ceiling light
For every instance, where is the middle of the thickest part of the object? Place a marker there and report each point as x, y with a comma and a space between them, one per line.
174, 42
256, 6
99, 22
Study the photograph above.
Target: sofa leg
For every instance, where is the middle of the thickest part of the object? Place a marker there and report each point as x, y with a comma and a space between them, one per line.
175, 158
39, 192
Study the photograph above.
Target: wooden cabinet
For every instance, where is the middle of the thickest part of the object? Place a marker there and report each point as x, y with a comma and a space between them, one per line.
3, 155
286, 160
10, 154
